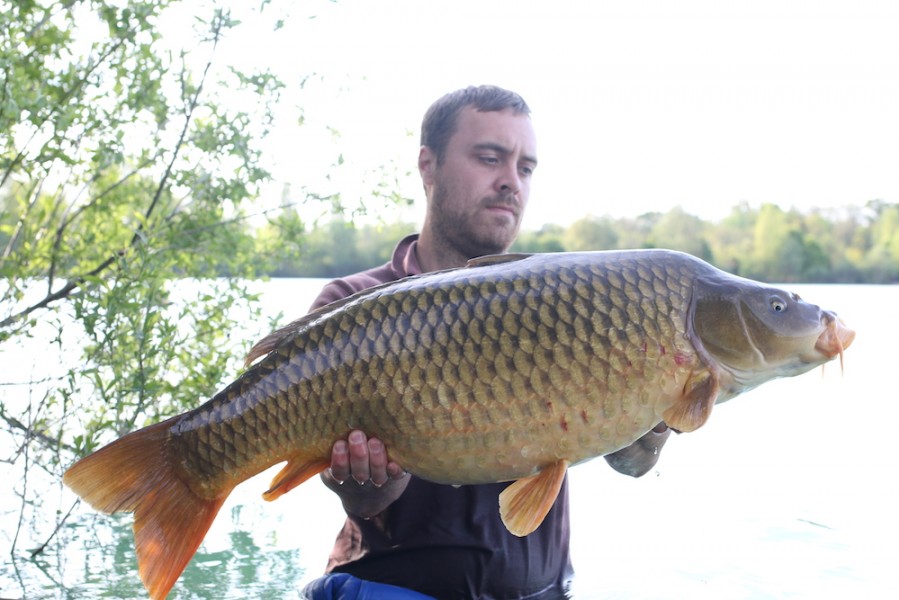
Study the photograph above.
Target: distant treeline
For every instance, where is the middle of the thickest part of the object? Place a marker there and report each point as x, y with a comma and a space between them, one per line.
848, 245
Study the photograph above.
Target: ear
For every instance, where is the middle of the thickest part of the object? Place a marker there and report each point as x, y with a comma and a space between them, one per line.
427, 163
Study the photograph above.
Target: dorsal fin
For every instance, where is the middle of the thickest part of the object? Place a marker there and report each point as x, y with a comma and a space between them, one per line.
275, 338
497, 259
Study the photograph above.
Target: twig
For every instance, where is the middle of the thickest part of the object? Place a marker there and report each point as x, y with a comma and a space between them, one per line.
38, 550
77, 282
30, 432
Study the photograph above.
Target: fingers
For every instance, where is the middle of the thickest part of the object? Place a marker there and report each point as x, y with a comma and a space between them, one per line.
340, 461
377, 462
394, 471
363, 459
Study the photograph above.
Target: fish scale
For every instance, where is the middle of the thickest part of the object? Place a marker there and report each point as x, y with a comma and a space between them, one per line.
493, 353
512, 368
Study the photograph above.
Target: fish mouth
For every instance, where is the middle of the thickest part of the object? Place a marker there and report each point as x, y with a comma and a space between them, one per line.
835, 338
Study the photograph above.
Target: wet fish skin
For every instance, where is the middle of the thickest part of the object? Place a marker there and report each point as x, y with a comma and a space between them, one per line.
452, 373
511, 369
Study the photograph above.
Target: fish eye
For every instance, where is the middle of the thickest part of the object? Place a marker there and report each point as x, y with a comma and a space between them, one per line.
778, 305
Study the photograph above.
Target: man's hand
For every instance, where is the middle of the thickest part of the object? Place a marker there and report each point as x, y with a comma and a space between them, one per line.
638, 458
363, 476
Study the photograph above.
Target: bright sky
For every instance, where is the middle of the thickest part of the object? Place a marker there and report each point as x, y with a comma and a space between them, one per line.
638, 105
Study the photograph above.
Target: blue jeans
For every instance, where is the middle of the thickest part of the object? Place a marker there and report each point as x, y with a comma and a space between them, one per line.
341, 586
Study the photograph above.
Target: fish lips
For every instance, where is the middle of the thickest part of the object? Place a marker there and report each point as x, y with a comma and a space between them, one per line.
835, 338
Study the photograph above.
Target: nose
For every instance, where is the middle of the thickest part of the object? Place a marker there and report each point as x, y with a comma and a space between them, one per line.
509, 181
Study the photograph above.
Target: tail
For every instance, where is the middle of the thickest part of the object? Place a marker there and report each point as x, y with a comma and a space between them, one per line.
133, 474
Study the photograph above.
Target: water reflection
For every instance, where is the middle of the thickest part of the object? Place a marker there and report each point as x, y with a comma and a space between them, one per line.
245, 571
94, 557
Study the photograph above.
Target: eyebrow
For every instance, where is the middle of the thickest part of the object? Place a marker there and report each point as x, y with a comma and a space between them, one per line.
503, 150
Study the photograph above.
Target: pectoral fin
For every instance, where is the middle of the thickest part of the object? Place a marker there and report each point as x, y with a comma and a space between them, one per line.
524, 504
692, 410
295, 472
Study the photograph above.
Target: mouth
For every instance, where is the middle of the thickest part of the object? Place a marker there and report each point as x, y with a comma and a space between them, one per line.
502, 210
835, 338
500, 206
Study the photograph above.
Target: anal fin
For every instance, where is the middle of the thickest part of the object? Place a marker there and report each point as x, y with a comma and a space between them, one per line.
295, 472
524, 504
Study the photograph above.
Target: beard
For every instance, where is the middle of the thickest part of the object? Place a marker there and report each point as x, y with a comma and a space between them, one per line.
464, 226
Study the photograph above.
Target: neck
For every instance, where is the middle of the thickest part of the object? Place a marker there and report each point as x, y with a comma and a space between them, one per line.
434, 255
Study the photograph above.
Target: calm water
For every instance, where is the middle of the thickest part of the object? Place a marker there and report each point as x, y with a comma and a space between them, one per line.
786, 493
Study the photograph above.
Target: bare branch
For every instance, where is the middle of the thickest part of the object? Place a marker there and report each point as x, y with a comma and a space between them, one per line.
39, 549
31, 432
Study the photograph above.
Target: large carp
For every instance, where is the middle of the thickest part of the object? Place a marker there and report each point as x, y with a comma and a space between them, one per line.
512, 368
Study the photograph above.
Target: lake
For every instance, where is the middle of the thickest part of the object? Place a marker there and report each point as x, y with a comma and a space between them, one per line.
785, 493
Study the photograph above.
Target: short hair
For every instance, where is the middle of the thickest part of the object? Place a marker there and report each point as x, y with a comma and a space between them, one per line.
440, 120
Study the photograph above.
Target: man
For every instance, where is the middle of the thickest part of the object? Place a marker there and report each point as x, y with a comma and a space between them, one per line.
477, 157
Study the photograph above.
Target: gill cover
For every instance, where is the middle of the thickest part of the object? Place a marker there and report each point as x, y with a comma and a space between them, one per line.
755, 332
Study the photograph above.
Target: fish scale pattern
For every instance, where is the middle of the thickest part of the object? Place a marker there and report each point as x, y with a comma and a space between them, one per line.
492, 369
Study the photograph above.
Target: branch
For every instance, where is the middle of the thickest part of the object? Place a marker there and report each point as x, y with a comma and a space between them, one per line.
30, 432
38, 550
194, 102
73, 215
65, 98
20, 223
79, 281
64, 292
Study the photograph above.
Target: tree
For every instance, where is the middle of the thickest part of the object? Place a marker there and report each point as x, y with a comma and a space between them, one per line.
546, 239
679, 230
883, 256
591, 233
731, 240
774, 250
125, 167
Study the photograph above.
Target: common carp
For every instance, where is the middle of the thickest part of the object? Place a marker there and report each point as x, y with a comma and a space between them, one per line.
510, 369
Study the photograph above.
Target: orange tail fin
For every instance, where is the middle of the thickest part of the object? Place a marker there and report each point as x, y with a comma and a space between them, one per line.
133, 474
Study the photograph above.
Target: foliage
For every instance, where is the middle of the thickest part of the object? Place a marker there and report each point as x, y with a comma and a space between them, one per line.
853, 245
125, 165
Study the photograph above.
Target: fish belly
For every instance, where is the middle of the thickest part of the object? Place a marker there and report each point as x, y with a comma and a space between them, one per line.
480, 375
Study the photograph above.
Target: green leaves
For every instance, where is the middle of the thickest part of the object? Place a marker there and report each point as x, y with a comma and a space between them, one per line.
127, 159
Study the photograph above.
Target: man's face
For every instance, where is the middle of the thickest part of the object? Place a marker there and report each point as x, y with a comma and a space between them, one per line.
478, 192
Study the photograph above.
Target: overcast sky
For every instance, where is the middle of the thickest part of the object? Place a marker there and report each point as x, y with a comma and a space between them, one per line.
638, 105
